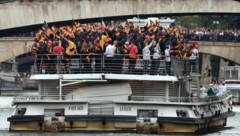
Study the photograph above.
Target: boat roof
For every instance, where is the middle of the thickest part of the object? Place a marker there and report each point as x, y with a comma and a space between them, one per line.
103, 77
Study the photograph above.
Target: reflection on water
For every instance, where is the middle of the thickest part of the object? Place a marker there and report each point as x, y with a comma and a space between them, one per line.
232, 129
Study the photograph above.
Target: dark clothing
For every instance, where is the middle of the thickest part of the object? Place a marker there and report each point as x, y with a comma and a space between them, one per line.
154, 66
132, 63
98, 59
109, 64
168, 67
211, 92
118, 61
86, 60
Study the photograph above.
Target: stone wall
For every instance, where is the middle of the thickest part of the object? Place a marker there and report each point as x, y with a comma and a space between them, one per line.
229, 51
11, 47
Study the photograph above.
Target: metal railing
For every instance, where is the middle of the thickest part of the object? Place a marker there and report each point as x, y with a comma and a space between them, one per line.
103, 106
180, 99
118, 64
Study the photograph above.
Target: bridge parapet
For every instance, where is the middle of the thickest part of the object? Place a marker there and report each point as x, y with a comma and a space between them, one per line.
33, 12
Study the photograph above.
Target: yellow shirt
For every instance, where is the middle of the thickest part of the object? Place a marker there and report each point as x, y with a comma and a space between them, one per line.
71, 48
102, 41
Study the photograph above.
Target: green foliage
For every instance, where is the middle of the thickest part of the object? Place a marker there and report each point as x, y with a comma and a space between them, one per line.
192, 22
228, 22
215, 62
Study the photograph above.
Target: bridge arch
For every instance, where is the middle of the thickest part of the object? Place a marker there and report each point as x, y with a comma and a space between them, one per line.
226, 50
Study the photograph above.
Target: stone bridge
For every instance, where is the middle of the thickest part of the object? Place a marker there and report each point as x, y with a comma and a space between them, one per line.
13, 46
226, 50
19, 13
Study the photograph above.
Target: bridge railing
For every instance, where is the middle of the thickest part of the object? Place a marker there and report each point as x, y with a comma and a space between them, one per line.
119, 64
213, 38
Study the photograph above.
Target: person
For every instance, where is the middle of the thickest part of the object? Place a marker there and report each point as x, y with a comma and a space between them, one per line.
58, 50
202, 93
42, 57
193, 59
155, 59
70, 51
211, 91
98, 59
132, 55
146, 57
119, 57
109, 56
221, 89
86, 58
224, 87
168, 59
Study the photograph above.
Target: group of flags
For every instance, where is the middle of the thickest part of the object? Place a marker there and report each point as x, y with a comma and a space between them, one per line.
151, 26
70, 29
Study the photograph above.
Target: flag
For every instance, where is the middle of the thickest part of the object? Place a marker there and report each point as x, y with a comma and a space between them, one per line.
53, 28
39, 32
77, 24
117, 33
69, 29
157, 23
45, 26
49, 31
151, 22
103, 26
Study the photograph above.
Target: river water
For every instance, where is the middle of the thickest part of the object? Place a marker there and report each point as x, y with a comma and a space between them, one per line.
232, 128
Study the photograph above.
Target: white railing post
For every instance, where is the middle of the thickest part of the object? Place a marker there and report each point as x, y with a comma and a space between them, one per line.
60, 89
167, 91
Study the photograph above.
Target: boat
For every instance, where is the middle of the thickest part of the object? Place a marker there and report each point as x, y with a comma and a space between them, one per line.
9, 77
98, 99
232, 82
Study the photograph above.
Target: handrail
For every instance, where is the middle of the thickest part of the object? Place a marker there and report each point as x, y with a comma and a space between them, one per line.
50, 98
119, 64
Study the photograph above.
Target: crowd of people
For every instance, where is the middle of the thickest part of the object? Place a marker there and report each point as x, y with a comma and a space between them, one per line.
197, 34
214, 89
204, 34
116, 42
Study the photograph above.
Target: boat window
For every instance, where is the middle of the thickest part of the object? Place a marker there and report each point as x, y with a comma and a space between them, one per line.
54, 112
20, 111
234, 75
227, 74
182, 113
147, 113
